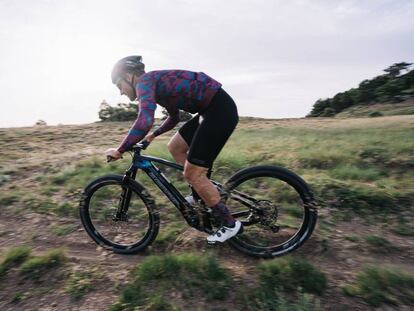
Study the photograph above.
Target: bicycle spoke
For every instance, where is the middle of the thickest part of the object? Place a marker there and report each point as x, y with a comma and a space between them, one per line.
112, 221
270, 209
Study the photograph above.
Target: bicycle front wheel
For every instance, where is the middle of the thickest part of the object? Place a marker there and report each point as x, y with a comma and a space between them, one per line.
125, 228
276, 208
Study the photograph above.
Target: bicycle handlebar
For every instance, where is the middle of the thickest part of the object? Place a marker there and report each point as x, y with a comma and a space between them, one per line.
142, 145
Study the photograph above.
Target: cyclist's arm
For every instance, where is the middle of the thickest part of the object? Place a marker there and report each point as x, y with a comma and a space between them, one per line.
169, 123
145, 119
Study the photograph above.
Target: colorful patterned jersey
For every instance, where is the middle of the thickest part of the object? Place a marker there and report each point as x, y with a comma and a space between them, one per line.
173, 89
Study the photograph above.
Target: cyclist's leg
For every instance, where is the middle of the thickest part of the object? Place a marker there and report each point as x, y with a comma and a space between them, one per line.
180, 142
218, 123
196, 176
178, 148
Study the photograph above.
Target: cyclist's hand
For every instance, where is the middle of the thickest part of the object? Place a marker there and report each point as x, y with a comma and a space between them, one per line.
112, 154
149, 137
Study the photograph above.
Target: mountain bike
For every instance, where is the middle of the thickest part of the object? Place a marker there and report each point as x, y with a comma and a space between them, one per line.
276, 207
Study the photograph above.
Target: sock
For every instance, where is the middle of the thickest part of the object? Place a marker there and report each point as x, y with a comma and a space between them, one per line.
223, 212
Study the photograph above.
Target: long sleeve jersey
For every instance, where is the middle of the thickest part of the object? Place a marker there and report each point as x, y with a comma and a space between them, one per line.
173, 89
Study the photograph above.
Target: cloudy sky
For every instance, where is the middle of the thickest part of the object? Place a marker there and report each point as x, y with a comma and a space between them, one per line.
275, 58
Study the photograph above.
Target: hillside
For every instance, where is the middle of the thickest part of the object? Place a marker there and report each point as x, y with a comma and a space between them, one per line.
372, 96
360, 257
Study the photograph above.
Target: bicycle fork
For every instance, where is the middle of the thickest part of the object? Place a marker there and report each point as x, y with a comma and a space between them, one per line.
125, 198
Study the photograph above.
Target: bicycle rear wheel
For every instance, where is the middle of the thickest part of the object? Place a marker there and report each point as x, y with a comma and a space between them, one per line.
109, 224
276, 208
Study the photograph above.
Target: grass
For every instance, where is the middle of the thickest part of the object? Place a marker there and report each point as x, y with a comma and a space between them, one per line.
378, 110
81, 281
188, 274
360, 199
36, 266
403, 228
378, 285
356, 167
261, 302
61, 230
357, 173
352, 238
290, 273
13, 258
362, 166
378, 242
285, 284
169, 233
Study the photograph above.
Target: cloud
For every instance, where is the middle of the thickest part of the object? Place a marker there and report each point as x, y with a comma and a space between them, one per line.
57, 55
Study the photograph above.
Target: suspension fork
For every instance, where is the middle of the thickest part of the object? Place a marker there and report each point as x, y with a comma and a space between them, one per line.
126, 194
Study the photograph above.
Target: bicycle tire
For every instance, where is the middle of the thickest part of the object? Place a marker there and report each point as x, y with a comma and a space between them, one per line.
308, 204
91, 226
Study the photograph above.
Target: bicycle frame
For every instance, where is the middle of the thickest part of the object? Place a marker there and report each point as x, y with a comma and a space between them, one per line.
146, 164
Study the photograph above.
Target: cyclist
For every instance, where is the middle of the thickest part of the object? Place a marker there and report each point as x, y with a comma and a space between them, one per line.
198, 142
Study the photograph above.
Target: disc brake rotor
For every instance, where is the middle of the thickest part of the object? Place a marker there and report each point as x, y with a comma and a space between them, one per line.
267, 215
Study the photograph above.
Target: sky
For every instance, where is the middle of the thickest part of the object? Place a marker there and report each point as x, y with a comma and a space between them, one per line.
274, 57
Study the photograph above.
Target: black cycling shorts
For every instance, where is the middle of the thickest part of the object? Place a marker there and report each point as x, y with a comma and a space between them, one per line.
207, 132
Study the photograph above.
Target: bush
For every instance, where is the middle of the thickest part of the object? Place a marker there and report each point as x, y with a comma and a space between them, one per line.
377, 285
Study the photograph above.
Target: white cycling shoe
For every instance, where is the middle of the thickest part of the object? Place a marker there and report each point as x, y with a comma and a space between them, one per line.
225, 233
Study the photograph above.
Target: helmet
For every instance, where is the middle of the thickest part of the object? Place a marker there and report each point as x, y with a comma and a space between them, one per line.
127, 64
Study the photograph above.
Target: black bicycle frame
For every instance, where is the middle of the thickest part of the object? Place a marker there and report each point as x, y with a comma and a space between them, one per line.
146, 163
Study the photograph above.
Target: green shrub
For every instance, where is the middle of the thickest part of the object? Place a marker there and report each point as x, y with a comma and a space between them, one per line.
377, 285
36, 266
14, 257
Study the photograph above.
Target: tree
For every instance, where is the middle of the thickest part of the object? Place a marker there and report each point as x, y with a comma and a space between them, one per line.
40, 123
121, 112
105, 111
184, 115
395, 69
